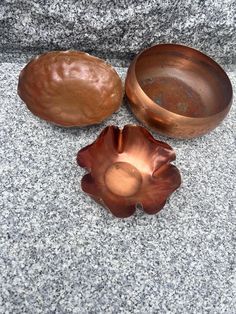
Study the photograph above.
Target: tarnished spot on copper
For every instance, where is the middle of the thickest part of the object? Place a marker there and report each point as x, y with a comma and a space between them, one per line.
123, 179
178, 91
159, 99
70, 88
129, 167
182, 107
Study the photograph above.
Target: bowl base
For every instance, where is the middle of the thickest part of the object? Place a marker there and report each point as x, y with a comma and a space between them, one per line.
123, 179
174, 95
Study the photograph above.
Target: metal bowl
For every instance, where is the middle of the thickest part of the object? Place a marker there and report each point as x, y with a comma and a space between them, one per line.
129, 167
70, 88
178, 91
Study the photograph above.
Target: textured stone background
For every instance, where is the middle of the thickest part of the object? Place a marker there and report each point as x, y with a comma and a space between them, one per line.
119, 28
60, 252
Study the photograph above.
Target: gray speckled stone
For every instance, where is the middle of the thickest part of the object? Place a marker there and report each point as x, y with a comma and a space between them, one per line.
119, 28
60, 252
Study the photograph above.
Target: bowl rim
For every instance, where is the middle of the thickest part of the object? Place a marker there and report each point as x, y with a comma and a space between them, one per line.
164, 110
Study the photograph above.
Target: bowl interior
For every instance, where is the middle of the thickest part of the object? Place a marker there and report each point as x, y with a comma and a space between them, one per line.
183, 80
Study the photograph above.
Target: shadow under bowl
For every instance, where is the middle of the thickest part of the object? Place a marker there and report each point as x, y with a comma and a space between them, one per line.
178, 91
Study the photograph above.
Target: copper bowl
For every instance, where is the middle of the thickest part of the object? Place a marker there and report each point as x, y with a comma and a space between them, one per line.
129, 167
178, 91
70, 88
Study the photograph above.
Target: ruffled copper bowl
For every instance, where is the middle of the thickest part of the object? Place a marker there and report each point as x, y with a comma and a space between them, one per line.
129, 167
70, 88
178, 91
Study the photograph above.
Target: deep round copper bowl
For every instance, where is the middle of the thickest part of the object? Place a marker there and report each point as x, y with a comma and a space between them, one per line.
178, 91
70, 88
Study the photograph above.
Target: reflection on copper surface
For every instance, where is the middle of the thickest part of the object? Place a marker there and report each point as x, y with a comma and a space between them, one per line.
129, 167
178, 91
70, 88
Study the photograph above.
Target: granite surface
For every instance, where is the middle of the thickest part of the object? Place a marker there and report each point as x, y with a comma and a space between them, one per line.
118, 28
60, 252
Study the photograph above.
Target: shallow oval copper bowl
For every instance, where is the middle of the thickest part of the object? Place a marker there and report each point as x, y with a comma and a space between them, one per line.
129, 167
178, 91
70, 88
